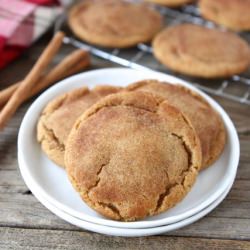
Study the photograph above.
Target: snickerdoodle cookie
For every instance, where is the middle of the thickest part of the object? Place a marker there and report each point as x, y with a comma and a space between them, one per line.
198, 51
114, 23
171, 3
205, 120
132, 155
233, 14
59, 116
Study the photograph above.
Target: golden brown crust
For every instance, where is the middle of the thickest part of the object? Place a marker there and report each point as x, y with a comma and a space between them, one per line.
171, 3
114, 23
206, 121
59, 116
132, 155
233, 14
202, 52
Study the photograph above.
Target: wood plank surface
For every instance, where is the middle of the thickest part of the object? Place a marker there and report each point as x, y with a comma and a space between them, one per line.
27, 224
15, 238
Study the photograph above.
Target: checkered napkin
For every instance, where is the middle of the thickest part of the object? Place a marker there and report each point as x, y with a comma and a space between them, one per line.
22, 22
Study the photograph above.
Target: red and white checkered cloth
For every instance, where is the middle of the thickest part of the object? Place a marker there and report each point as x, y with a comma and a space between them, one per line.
22, 22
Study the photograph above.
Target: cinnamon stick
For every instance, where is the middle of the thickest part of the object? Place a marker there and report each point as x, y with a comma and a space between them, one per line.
33, 76
71, 64
5, 94
83, 64
67, 67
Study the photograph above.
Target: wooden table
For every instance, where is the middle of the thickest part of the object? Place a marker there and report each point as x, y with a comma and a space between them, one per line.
27, 224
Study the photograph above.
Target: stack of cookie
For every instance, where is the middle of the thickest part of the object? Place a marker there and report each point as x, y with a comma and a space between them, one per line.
131, 152
185, 48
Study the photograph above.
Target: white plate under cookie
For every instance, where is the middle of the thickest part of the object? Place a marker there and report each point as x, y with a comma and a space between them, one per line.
52, 183
125, 232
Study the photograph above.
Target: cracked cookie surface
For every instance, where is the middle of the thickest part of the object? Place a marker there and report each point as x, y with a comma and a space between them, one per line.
114, 23
201, 52
59, 116
132, 155
206, 121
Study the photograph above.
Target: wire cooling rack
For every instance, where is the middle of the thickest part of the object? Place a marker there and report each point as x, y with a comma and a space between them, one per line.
236, 88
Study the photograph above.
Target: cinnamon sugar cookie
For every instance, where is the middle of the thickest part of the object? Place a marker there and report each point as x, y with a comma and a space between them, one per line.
114, 23
171, 3
202, 52
132, 155
233, 14
59, 116
206, 121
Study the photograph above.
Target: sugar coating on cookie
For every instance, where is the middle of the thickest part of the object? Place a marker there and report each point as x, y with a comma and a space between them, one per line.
59, 116
114, 23
205, 120
233, 14
132, 155
171, 3
198, 51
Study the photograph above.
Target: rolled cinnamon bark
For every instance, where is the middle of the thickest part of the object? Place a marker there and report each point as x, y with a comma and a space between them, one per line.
74, 62
28, 83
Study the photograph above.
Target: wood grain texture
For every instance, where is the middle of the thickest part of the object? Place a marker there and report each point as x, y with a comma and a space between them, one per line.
13, 238
231, 220
27, 224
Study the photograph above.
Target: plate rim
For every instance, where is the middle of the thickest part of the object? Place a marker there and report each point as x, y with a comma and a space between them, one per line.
125, 232
137, 224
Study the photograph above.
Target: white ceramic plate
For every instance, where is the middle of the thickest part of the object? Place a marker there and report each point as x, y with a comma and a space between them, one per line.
126, 232
52, 183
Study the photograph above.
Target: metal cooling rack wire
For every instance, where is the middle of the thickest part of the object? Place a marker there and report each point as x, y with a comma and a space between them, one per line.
188, 14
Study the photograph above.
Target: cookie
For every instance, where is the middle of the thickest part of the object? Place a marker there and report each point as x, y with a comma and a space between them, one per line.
198, 51
171, 3
132, 155
233, 14
59, 116
114, 23
205, 120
